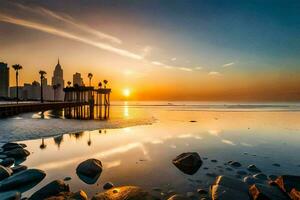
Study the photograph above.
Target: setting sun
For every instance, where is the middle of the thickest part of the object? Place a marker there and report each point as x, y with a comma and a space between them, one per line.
126, 92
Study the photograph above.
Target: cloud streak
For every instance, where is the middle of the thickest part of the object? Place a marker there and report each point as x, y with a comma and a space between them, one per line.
228, 64
214, 73
69, 20
65, 34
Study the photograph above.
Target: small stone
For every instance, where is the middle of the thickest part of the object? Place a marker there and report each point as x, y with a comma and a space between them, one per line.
188, 163
253, 168
273, 177
234, 164
68, 178
108, 186
276, 165
214, 161
249, 180
17, 153
201, 191
260, 176
205, 168
228, 169
7, 162
18, 168
90, 168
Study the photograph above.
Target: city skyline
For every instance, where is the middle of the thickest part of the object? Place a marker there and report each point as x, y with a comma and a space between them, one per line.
242, 52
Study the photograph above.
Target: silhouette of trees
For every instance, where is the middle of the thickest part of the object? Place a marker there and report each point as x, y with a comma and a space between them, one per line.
69, 83
42, 76
105, 83
90, 76
17, 68
100, 85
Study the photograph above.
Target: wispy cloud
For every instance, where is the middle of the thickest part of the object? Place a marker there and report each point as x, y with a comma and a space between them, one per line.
62, 33
214, 73
198, 68
185, 69
69, 20
174, 59
228, 64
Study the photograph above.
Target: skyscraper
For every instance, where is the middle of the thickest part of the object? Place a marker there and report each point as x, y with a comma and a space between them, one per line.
58, 80
77, 80
4, 79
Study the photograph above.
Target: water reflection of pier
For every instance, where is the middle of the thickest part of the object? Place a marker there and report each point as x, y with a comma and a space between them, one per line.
93, 103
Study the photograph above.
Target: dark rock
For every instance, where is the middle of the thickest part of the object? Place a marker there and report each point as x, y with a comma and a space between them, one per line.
276, 165
108, 186
178, 197
10, 195
273, 177
91, 168
67, 178
80, 195
234, 164
4, 172
250, 180
18, 168
201, 191
226, 188
260, 176
289, 184
214, 161
188, 163
21, 179
17, 153
12, 145
253, 168
125, 192
261, 192
51, 189
7, 162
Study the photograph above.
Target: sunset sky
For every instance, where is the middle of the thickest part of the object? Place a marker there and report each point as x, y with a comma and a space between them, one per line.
160, 50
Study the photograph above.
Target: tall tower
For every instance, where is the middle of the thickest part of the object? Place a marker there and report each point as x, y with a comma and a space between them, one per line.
4, 79
58, 80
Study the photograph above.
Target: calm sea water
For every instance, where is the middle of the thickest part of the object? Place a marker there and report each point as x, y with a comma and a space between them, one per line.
138, 143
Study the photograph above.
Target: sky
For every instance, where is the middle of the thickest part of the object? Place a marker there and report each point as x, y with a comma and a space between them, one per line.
196, 50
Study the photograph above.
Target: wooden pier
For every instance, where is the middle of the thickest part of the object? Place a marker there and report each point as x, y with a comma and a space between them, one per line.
79, 103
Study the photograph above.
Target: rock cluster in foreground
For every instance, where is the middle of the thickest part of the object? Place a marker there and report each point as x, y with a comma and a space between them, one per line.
16, 179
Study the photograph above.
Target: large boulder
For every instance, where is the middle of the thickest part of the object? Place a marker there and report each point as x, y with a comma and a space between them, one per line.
17, 153
4, 172
227, 188
22, 179
18, 168
10, 195
125, 192
188, 163
51, 189
90, 168
289, 184
260, 191
12, 145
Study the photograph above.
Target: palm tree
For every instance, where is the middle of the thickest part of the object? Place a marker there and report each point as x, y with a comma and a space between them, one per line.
90, 76
17, 67
69, 83
100, 85
42, 76
105, 83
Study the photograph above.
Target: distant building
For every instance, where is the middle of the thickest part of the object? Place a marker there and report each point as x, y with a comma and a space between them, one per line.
77, 80
58, 81
4, 80
13, 92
